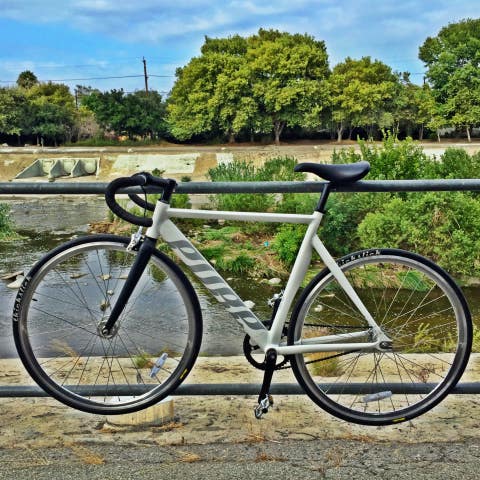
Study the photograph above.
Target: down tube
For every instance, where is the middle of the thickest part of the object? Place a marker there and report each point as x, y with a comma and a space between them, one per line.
222, 292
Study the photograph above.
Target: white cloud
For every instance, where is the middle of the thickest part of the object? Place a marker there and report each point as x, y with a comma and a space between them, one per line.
389, 30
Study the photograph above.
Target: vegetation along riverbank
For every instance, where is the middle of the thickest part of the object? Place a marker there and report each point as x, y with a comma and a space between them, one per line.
443, 226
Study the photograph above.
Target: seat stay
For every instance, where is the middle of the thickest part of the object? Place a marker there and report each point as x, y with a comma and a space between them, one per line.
337, 272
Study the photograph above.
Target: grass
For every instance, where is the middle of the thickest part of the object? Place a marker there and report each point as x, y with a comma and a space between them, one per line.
322, 366
238, 251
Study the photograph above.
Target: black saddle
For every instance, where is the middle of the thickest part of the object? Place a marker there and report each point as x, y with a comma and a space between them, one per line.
336, 173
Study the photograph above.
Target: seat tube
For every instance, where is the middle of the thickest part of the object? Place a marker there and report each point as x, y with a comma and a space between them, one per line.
297, 275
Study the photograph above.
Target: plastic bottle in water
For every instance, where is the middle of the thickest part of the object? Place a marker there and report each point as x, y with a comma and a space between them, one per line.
373, 397
158, 364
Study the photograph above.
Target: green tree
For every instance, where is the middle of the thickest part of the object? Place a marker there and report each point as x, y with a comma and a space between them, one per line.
287, 75
135, 114
52, 122
453, 69
109, 109
13, 112
145, 114
257, 84
27, 79
361, 94
212, 94
424, 107
52, 110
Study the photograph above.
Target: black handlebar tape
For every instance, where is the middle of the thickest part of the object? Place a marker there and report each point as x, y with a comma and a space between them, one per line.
141, 202
123, 182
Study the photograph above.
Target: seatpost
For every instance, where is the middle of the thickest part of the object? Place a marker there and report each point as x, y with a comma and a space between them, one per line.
323, 198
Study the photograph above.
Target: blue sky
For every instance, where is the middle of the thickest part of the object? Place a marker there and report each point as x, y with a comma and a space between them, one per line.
92, 39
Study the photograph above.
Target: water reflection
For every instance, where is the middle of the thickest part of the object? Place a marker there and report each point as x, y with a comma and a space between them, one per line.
46, 223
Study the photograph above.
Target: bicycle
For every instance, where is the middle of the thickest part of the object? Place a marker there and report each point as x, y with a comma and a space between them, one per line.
377, 337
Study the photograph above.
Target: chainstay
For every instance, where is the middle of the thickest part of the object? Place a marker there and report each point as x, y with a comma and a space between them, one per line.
284, 364
320, 359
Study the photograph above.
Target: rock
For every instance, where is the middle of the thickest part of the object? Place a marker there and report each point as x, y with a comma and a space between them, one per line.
17, 282
249, 304
4, 144
11, 276
275, 281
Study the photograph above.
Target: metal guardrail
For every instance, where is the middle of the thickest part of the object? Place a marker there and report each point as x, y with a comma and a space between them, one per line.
226, 389
98, 188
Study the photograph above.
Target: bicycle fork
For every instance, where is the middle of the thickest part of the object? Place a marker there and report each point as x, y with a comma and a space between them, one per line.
108, 328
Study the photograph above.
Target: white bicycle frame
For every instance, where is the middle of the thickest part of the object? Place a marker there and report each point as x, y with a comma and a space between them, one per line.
164, 228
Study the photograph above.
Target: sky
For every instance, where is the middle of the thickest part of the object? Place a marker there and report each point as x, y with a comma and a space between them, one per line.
87, 42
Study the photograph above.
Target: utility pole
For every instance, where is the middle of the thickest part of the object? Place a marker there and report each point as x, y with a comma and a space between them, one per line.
145, 75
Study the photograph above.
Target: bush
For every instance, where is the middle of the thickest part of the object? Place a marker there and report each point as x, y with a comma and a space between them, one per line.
444, 227
287, 242
6, 225
394, 160
343, 215
457, 163
277, 169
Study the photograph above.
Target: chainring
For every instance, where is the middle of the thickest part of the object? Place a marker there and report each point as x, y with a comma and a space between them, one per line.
248, 349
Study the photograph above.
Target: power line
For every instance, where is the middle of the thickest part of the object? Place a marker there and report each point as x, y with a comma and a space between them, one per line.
93, 78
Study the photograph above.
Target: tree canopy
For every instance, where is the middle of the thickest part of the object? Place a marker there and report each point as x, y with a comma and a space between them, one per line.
138, 113
271, 84
257, 84
452, 59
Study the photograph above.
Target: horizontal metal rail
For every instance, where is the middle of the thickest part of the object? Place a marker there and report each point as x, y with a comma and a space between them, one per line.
226, 389
98, 188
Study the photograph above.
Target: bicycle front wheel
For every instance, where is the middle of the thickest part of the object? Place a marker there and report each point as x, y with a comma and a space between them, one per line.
60, 312
418, 307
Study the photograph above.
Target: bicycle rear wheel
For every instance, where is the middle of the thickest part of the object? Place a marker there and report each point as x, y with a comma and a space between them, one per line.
416, 304
66, 299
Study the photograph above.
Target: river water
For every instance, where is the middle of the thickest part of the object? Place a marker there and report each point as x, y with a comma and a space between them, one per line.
46, 222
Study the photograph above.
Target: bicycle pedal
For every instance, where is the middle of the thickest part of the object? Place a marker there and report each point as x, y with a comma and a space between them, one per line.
262, 407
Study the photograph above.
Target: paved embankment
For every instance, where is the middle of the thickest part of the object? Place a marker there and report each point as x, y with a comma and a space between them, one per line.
289, 459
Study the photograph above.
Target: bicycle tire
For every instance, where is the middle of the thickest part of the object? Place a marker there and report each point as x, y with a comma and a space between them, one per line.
420, 308
63, 303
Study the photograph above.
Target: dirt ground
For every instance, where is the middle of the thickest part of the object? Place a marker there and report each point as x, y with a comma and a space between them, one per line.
35, 423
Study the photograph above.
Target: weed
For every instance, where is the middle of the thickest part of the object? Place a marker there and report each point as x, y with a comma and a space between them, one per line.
322, 365
189, 457
142, 360
86, 455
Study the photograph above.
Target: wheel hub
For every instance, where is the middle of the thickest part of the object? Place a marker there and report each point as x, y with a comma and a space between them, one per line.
104, 332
